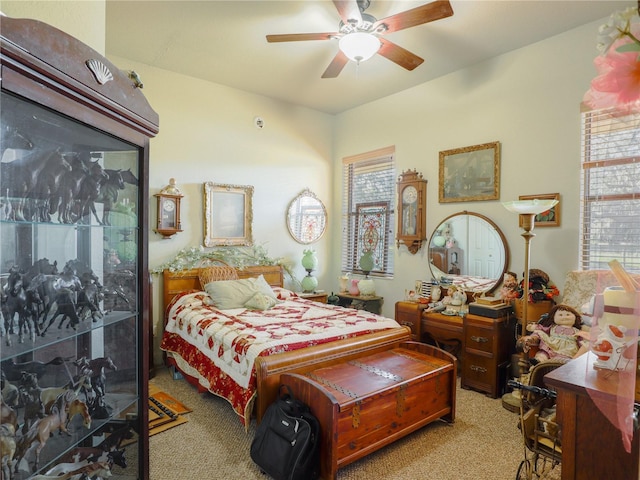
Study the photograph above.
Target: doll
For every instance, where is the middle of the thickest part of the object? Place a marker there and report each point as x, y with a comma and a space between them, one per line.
509, 290
557, 336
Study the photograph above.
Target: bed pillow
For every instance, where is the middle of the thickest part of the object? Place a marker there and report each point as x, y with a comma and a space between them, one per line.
260, 301
228, 294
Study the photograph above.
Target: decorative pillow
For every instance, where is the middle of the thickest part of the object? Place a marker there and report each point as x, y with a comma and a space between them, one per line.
260, 301
228, 294
264, 287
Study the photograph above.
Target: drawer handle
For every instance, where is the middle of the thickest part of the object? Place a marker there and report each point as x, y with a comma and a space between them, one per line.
479, 339
476, 368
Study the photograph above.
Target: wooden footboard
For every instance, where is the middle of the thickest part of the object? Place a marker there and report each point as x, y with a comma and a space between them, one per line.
269, 369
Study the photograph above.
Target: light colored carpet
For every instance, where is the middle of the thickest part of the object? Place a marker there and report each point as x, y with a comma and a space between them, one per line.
484, 443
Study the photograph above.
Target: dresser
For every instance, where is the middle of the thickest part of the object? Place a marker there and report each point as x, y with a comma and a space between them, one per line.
409, 314
482, 345
444, 331
591, 445
487, 344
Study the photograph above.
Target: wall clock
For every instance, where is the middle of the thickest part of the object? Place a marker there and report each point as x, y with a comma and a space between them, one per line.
412, 210
169, 210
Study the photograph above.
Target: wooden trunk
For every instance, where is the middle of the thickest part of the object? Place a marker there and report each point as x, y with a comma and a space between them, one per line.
369, 402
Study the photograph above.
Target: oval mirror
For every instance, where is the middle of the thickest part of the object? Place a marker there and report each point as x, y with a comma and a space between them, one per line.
470, 250
306, 217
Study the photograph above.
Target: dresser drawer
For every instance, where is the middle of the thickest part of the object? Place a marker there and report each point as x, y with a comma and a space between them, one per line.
480, 338
480, 373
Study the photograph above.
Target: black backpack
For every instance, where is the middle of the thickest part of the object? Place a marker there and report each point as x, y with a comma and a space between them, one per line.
287, 441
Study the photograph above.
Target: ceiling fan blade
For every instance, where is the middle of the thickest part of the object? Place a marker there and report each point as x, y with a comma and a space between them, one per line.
298, 37
348, 10
336, 65
416, 16
399, 55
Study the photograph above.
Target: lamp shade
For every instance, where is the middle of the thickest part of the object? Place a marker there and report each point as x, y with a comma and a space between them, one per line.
359, 46
534, 206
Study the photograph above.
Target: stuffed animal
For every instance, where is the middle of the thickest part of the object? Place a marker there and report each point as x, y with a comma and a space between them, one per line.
557, 335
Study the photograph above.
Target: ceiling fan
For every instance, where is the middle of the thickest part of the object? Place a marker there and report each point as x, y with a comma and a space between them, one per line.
360, 35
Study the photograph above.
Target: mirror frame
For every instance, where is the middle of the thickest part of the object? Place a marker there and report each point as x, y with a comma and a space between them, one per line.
492, 224
288, 216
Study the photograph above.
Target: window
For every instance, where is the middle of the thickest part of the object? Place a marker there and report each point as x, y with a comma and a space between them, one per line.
368, 201
610, 190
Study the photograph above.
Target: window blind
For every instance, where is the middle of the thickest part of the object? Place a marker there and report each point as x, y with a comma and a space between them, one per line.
610, 190
368, 204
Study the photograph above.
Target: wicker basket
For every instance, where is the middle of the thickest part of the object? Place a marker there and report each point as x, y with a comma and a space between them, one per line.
215, 273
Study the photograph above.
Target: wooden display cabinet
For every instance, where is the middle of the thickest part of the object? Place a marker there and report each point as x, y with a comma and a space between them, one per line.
73, 247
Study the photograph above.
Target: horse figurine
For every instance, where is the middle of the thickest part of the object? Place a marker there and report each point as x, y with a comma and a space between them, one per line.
110, 191
20, 177
16, 302
63, 410
95, 368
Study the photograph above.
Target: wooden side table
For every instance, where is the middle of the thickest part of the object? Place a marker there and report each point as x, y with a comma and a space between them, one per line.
320, 297
591, 446
371, 303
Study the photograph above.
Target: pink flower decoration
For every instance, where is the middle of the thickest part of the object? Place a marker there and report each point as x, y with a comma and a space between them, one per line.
618, 80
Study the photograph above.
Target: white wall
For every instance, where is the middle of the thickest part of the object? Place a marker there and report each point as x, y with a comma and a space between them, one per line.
529, 100
207, 133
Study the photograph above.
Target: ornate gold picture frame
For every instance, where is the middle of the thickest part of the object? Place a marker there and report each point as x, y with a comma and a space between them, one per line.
470, 173
228, 214
550, 218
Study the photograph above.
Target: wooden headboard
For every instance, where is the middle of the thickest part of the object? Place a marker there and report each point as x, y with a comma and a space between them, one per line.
184, 280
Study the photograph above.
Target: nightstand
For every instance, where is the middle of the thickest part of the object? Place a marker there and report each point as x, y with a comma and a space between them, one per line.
319, 297
371, 304
409, 314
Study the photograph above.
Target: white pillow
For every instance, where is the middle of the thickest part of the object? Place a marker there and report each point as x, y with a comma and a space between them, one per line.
228, 294
260, 301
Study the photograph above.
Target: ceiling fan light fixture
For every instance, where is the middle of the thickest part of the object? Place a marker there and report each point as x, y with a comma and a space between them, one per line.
359, 46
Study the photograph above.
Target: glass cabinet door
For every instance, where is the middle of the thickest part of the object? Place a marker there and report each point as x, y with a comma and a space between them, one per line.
69, 276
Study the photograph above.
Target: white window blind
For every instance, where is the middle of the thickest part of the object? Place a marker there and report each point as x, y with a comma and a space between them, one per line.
610, 190
368, 203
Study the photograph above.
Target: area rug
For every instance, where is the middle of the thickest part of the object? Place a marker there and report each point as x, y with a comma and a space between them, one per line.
165, 411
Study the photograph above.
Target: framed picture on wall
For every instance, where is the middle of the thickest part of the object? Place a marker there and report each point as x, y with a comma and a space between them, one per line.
550, 218
228, 214
470, 173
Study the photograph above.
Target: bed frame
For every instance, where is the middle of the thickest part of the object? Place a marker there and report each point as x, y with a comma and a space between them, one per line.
269, 369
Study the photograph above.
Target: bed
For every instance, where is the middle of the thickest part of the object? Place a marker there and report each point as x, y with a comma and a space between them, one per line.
239, 354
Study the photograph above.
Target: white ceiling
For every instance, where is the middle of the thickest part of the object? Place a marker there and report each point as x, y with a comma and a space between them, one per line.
224, 42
